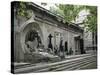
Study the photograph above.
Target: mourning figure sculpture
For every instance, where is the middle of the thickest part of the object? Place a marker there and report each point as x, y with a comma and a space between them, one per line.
31, 41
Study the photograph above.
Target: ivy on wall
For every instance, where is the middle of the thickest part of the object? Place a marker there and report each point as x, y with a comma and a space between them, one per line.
22, 10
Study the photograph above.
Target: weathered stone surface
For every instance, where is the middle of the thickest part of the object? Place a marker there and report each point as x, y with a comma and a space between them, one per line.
44, 24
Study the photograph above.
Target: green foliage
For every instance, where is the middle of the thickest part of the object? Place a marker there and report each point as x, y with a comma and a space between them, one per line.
57, 11
91, 22
22, 10
70, 13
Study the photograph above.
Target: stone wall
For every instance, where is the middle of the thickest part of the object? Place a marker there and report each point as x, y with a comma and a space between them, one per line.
66, 34
44, 27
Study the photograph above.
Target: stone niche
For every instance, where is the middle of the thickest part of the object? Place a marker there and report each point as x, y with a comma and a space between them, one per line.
21, 37
31, 27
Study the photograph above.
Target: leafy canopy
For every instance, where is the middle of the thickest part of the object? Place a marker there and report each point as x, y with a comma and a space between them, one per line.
71, 12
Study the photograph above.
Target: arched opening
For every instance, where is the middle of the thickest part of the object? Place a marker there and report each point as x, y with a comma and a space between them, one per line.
32, 40
31, 33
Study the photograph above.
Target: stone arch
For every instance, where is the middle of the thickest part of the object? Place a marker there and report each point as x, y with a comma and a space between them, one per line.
29, 36
32, 26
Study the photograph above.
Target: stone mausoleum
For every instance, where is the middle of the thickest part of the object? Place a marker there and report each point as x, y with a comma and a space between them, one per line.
45, 30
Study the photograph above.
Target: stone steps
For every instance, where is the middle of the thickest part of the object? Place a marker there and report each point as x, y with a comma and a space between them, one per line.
77, 56
55, 66
67, 57
76, 65
68, 66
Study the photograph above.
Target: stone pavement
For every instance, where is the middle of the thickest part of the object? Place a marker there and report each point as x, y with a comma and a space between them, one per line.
39, 67
66, 57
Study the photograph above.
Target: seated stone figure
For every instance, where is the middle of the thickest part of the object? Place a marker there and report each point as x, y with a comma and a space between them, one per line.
27, 48
32, 45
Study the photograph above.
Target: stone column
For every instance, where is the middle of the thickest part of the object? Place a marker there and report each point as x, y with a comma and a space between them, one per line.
18, 53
